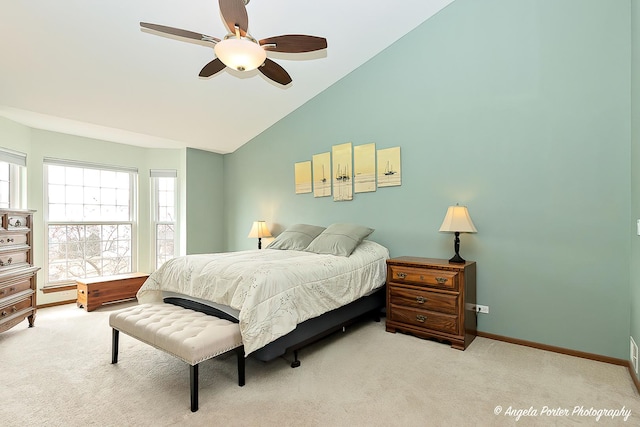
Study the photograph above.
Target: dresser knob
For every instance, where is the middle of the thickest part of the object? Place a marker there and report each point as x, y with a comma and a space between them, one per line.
14, 309
4, 313
402, 275
420, 318
421, 300
11, 289
441, 280
9, 240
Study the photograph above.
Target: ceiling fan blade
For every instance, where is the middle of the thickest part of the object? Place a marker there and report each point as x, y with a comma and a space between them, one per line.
179, 32
294, 43
211, 68
234, 13
275, 72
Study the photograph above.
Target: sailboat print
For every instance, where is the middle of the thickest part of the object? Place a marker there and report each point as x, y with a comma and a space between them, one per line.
389, 169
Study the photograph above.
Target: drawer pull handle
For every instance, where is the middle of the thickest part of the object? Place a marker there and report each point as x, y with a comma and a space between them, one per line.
421, 300
14, 309
9, 240
420, 318
441, 280
11, 289
402, 275
8, 262
4, 313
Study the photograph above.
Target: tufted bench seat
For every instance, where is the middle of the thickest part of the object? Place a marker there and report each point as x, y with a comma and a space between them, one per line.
186, 334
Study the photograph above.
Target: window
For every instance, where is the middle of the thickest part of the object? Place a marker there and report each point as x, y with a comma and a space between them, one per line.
89, 217
13, 179
163, 184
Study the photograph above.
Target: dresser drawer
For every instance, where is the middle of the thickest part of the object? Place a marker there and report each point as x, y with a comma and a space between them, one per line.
425, 319
14, 288
12, 259
424, 277
10, 240
425, 300
9, 309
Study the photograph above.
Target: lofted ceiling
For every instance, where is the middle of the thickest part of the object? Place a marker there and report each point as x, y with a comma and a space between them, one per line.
85, 67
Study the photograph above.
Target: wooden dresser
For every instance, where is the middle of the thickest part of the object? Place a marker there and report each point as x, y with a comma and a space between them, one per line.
431, 298
17, 272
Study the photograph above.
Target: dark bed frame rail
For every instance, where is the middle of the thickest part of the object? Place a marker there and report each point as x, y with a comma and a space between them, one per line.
307, 332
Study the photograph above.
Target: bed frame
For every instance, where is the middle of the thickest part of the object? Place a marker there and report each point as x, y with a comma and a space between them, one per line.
307, 332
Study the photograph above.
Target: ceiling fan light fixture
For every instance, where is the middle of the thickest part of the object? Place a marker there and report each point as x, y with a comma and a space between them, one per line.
240, 53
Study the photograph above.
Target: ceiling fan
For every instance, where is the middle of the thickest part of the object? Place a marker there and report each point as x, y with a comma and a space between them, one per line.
240, 51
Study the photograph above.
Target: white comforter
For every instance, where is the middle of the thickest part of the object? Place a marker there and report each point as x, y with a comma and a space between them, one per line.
274, 290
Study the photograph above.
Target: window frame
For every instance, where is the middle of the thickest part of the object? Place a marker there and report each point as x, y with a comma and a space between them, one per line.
155, 174
132, 221
17, 163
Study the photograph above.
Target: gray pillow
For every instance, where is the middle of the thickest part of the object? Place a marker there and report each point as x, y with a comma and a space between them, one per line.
339, 239
296, 238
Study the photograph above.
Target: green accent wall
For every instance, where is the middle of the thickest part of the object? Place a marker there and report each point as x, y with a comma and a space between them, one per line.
635, 171
520, 110
204, 202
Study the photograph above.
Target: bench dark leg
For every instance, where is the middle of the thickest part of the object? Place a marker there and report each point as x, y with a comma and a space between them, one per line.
240, 355
114, 345
193, 371
295, 362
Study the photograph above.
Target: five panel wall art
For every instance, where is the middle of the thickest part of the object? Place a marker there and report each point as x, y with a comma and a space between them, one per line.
359, 170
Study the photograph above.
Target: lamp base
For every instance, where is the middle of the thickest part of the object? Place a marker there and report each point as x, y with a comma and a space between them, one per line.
457, 259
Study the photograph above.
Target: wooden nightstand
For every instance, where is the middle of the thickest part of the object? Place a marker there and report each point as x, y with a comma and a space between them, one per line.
428, 297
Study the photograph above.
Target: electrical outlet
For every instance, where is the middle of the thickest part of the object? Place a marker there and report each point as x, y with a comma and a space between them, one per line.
633, 354
482, 309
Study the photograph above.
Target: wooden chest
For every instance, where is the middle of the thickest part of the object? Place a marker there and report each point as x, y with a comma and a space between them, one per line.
432, 298
96, 291
17, 272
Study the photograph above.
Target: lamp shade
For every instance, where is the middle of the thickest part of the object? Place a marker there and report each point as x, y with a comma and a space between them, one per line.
458, 220
259, 230
240, 54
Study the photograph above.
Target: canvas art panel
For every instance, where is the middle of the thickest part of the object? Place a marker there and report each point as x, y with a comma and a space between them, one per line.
389, 167
364, 168
322, 174
342, 172
302, 172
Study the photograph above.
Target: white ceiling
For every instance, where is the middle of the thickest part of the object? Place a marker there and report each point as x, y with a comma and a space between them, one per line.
84, 67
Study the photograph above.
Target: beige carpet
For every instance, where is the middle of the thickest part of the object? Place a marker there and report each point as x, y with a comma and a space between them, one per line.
59, 374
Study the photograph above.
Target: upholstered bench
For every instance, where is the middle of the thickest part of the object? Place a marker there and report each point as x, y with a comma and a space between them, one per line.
186, 334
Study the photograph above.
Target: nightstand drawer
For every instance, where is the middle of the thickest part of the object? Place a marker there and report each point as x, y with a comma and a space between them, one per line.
424, 277
425, 300
425, 319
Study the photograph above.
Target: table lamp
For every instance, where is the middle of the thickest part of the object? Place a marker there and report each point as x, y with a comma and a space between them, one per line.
457, 220
259, 230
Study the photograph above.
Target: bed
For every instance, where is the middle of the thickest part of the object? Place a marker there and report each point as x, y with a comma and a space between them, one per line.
284, 296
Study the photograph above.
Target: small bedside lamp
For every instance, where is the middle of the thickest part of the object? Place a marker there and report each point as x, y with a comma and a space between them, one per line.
259, 230
457, 220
